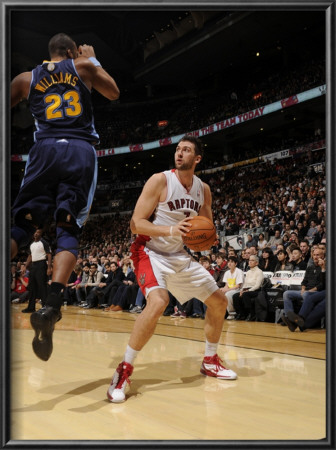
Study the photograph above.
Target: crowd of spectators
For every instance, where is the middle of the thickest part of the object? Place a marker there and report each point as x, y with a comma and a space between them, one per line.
125, 124
269, 213
275, 211
199, 108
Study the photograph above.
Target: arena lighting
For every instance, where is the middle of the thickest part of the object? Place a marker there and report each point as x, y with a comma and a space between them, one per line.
257, 54
226, 23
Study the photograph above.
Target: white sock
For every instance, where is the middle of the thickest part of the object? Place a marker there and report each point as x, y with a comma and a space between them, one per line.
210, 348
130, 355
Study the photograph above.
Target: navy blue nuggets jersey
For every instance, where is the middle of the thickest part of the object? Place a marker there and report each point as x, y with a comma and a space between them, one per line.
61, 103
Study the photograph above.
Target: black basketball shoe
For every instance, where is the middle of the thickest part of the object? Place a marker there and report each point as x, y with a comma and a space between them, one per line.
43, 322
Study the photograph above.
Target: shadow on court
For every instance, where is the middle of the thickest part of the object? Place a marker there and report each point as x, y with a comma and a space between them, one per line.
176, 374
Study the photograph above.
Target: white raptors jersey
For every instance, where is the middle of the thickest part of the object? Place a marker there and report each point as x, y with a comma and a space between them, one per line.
178, 205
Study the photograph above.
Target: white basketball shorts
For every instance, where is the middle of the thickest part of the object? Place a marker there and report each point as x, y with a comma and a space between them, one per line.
179, 273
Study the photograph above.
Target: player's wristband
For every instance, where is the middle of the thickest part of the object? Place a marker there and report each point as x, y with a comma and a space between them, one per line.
95, 61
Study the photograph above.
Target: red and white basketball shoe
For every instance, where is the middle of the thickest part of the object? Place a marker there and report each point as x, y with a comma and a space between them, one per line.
119, 383
212, 367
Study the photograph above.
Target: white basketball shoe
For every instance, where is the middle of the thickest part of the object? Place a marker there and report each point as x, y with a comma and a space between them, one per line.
212, 367
119, 383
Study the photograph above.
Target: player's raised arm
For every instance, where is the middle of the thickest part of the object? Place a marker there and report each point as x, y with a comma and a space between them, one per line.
94, 75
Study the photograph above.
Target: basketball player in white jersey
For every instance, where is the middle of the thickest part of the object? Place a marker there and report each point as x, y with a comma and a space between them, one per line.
160, 219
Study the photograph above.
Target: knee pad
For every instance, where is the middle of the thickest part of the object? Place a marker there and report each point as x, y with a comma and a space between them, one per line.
67, 233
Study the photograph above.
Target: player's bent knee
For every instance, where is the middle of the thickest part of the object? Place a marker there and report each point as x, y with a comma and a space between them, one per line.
217, 300
157, 303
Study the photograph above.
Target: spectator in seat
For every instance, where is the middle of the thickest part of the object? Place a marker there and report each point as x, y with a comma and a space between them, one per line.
95, 278
250, 241
278, 248
244, 263
276, 239
283, 262
220, 269
97, 294
321, 233
305, 250
243, 300
312, 230
261, 244
117, 278
293, 239
268, 260
253, 250
233, 279
285, 241
314, 280
311, 312
75, 279
19, 285
125, 294
80, 288
300, 231
139, 304
295, 258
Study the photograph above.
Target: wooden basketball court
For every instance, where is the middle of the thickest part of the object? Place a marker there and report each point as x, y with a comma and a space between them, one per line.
280, 393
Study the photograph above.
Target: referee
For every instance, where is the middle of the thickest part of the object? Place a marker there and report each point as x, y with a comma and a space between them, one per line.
39, 265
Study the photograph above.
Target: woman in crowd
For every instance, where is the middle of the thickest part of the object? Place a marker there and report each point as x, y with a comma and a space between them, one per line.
283, 263
268, 260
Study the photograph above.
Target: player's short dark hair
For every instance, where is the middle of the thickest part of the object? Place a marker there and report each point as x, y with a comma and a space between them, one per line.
199, 150
60, 44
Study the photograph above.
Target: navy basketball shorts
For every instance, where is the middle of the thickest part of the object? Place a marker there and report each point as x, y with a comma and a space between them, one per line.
60, 174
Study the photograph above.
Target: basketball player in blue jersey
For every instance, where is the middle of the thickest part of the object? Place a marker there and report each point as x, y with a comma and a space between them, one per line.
160, 219
61, 171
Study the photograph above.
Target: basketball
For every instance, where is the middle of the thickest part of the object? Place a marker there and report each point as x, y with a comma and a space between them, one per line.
202, 234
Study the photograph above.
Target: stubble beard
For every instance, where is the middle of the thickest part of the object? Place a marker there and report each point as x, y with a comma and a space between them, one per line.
184, 166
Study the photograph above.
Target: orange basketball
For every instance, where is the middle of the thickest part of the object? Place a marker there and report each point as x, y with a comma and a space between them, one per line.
202, 234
